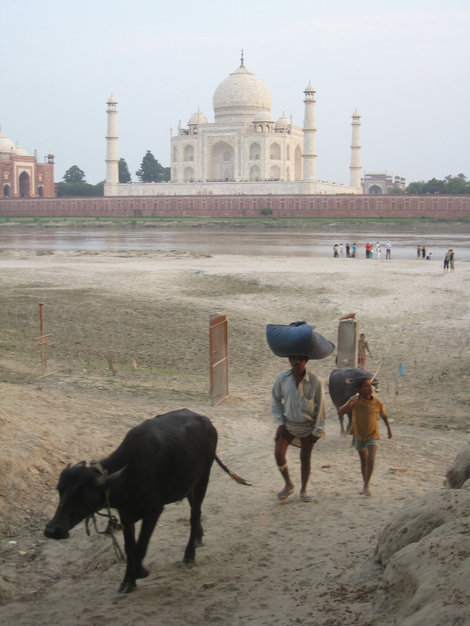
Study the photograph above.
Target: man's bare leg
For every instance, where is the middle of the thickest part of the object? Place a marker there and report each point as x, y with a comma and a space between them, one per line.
306, 448
370, 460
280, 449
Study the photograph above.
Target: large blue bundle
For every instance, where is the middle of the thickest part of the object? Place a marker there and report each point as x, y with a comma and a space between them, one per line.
297, 338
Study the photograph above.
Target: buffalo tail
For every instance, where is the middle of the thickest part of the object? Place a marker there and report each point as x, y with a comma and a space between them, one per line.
239, 479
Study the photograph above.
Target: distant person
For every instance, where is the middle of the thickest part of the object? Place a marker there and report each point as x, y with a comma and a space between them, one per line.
362, 348
429, 255
365, 407
418, 251
368, 248
446, 261
388, 250
452, 260
354, 250
378, 250
335, 251
298, 408
423, 252
341, 250
348, 251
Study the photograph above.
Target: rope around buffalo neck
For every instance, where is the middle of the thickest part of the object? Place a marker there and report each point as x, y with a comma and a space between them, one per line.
113, 526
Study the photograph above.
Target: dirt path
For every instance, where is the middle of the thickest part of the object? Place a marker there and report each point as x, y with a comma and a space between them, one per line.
263, 562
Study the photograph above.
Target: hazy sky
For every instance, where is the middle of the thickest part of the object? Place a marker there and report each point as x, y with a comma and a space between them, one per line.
404, 64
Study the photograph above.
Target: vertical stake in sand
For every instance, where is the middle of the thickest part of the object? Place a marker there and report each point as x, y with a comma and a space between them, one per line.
347, 341
42, 341
218, 355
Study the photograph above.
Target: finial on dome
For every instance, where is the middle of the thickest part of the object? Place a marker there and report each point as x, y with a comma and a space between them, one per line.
242, 60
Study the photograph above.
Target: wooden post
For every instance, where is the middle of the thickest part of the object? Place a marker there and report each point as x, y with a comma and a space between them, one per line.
218, 354
41, 341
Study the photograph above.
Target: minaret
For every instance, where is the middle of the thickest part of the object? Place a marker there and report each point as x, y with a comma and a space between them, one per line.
309, 157
112, 159
355, 168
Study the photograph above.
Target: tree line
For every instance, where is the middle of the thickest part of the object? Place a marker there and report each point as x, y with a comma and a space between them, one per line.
75, 184
450, 185
151, 171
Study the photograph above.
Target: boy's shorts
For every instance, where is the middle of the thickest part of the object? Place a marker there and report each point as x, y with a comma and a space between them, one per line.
361, 445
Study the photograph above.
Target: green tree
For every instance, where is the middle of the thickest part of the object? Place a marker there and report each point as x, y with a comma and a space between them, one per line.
124, 174
451, 185
457, 184
79, 189
151, 171
74, 175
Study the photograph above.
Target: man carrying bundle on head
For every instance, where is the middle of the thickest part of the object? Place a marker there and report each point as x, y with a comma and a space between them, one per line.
297, 398
298, 407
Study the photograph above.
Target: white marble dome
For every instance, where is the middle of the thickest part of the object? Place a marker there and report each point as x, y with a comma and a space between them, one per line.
241, 92
6, 145
282, 123
263, 116
19, 150
197, 118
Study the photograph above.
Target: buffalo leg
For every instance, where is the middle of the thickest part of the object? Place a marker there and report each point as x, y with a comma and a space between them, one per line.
128, 529
195, 537
136, 551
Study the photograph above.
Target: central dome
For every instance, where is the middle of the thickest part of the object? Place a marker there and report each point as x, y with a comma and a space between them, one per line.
241, 94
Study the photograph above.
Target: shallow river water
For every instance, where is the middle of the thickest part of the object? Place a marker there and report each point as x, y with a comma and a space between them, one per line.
286, 242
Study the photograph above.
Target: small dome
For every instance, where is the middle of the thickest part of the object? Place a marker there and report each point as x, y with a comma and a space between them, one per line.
263, 116
19, 150
6, 145
197, 118
282, 123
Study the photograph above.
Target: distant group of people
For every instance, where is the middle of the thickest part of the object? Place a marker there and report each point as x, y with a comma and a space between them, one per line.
339, 250
423, 253
449, 258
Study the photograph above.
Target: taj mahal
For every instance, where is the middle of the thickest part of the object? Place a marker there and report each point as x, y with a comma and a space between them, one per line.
244, 151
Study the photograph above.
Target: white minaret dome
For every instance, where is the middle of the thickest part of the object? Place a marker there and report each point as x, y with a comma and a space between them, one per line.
241, 93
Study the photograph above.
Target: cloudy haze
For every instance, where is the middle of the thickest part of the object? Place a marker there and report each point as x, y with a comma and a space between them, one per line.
404, 65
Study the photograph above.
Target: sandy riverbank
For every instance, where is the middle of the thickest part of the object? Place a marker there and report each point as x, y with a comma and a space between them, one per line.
264, 562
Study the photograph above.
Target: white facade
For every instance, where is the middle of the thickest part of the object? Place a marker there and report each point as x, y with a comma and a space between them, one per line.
244, 151
243, 144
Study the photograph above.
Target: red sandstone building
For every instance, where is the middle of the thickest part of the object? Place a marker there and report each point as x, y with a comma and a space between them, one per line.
21, 175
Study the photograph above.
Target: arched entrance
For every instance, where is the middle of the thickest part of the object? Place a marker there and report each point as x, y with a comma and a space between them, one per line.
6, 191
221, 165
25, 185
375, 190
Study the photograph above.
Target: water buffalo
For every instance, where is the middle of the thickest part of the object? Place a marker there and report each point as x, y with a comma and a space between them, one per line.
162, 460
342, 386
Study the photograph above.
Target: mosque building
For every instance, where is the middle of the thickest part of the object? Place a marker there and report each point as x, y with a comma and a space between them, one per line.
21, 175
244, 151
